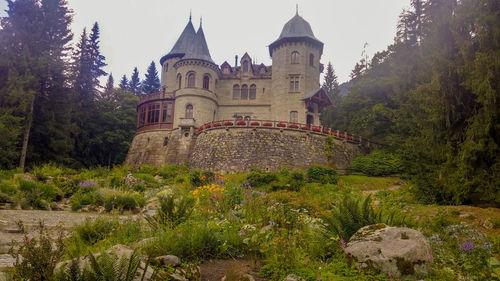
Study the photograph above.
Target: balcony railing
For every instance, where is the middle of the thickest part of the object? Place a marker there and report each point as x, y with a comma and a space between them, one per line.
281, 125
186, 122
157, 96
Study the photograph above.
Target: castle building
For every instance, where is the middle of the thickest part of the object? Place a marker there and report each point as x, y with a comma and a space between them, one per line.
195, 90
197, 93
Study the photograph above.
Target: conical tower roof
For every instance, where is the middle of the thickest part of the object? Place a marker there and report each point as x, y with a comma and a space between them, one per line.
190, 45
296, 29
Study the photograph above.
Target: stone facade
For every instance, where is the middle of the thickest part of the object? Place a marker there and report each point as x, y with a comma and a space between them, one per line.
238, 149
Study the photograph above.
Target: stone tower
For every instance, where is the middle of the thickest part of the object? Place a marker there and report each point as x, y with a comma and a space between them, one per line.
190, 72
296, 69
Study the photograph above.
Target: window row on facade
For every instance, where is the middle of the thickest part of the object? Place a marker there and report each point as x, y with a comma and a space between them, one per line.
191, 81
243, 93
153, 113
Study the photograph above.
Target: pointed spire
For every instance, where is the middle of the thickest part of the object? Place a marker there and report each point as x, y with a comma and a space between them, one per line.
190, 14
297, 9
201, 21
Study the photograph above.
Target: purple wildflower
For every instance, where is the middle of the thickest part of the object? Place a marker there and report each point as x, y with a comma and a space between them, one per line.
87, 183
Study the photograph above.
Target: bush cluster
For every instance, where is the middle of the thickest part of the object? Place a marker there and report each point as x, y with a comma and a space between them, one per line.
322, 174
377, 163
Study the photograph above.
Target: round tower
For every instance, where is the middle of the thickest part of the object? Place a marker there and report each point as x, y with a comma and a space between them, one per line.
296, 69
191, 73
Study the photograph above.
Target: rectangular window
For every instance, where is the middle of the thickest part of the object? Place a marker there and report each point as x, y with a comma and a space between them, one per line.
294, 117
167, 113
294, 83
142, 116
156, 115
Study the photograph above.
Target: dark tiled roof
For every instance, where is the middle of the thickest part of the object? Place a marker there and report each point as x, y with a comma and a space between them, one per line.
296, 29
190, 45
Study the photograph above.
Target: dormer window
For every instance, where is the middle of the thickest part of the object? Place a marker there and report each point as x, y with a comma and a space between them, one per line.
245, 66
295, 57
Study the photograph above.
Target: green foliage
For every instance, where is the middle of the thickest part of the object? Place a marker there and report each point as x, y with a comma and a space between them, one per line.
377, 163
173, 211
36, 258
199, 178
7, 188
322, 174
198, 240
352, 214
106, 266
35, 191
92, 231
122, 200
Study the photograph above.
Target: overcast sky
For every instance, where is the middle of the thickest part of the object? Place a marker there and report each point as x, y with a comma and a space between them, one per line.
135, 32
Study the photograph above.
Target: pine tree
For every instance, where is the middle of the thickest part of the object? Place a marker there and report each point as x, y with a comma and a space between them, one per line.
96, 57
110, 84
35, 39
124, 83
152, 83
330, 85
135, 84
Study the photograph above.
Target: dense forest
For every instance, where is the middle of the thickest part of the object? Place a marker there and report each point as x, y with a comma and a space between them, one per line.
433, 98
52, 106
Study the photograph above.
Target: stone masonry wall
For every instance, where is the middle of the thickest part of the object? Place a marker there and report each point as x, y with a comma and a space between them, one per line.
239, 149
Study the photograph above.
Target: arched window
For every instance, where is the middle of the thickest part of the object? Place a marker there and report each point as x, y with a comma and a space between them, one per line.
244, 92
245, 66
206, 81
294, 117
295, 57
190, 80
165, 67
236, 92
179, 81
311, 59
253, 92
189, 111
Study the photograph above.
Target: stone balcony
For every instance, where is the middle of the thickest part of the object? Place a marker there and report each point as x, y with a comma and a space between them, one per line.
186, 122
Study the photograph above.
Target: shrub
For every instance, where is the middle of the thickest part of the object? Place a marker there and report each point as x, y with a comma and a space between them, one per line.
170, 171
5, 198
173, 211
322, 174
198, 178
377, 163
35, 259
8, 188
45, 191
45, 171
258, 179
93, 230
122, 200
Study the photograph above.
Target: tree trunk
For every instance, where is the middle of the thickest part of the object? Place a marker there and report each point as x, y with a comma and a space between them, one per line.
26, 137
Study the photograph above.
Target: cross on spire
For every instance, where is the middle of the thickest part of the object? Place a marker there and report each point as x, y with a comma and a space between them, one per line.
190, 13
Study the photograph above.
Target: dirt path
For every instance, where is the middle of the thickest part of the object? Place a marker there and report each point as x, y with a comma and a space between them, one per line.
9, 218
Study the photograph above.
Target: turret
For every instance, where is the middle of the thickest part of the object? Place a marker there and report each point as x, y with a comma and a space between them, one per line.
192, 75
296, 68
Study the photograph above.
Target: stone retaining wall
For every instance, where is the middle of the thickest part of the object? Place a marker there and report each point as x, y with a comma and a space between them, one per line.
235, 149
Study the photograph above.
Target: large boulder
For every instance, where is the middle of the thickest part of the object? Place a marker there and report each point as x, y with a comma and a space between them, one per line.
398, 251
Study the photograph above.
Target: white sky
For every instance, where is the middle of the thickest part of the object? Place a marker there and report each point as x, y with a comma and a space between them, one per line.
135, 32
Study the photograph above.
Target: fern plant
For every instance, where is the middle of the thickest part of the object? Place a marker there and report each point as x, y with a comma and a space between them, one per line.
352, 214
106, 267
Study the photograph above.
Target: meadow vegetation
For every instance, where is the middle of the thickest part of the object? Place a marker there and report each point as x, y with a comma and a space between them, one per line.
292, 222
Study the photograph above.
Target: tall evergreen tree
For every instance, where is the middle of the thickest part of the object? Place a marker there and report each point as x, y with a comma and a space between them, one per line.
110, 84
36, 36
135, 83
152, 83
124, 83
331, 85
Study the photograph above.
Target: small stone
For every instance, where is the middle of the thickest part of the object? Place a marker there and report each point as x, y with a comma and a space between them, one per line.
169, 260
293, 277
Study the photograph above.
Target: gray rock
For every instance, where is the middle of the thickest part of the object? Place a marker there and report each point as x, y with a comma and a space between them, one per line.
398, 250
6, 261
132, 181
243, 277
293, 277
169, 260
189, 272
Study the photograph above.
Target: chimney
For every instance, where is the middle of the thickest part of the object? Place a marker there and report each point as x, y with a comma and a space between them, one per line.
235, 61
